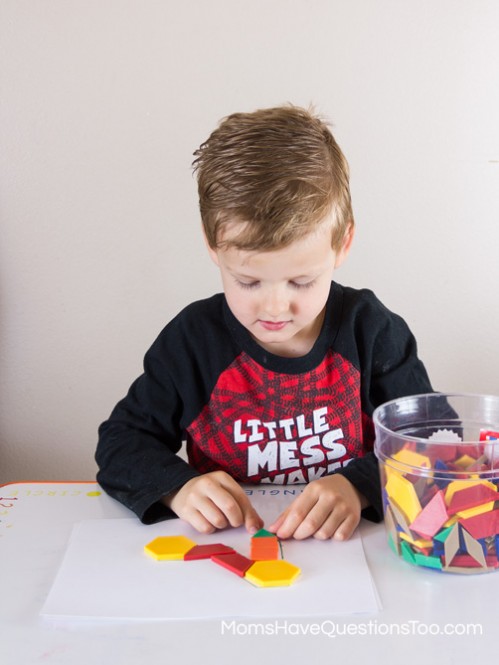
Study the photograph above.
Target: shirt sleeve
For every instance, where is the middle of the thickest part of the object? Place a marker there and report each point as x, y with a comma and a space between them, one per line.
390, 368
138, 444
363, 473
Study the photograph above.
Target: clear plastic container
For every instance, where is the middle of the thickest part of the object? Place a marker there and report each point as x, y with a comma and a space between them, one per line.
439, 466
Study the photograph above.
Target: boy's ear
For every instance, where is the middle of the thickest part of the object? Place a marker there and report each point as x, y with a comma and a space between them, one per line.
346, 244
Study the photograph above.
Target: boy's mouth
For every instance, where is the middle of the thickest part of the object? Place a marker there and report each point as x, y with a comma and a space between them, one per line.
273, 325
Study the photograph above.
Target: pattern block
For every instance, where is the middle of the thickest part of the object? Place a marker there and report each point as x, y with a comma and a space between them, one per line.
264, 546
272, 573
167, 548
266, 572
207, 551
235, 562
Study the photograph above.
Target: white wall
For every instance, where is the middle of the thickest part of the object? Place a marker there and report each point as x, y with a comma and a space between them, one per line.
102, 103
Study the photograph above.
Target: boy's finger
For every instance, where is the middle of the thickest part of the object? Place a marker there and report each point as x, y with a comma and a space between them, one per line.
276, 524
316, 520
199, 522
210, 509
227, 507
252, 520
346, 528
287, 523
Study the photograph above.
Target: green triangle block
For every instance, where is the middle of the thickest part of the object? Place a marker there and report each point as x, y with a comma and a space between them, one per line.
442, 536
407, 552
428, 561
392, 544
263, 533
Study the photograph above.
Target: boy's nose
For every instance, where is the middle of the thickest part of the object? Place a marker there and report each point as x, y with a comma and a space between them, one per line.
276, 302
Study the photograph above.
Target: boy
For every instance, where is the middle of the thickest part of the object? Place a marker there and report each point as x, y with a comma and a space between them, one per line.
276, 379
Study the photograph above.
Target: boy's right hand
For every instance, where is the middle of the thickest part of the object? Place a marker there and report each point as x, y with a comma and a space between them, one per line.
214, 501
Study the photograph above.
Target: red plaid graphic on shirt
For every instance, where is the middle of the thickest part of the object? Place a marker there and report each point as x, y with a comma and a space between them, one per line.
261, 425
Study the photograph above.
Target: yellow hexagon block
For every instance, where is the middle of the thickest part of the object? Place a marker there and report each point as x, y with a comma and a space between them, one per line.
457, 485
418, 542
464, 462
406, 458
412, 458
272, 573
166, 548
403, 492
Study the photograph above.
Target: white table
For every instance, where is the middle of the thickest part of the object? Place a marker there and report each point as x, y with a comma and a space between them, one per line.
35, 524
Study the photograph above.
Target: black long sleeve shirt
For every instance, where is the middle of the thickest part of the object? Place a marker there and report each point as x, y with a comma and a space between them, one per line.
261, 418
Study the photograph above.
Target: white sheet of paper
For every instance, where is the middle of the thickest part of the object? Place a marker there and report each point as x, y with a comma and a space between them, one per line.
105, 573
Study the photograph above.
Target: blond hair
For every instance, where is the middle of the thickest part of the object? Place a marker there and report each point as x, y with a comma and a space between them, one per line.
279, 172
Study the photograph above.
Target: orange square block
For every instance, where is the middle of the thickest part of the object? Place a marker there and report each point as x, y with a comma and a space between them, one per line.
264, 546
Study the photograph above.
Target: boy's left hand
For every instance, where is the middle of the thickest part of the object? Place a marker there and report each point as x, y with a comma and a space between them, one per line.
328, 507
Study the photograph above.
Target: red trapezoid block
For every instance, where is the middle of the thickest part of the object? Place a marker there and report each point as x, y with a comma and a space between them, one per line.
235, 562
207, 551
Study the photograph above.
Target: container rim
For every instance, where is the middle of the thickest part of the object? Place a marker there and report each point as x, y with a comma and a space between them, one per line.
437, 474
379, 425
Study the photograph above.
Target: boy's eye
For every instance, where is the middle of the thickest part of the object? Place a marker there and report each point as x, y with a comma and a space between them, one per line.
294, 285
248, 285
303, 285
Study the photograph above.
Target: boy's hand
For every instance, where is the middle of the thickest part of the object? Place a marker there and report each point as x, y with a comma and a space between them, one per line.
328, 507
214, 501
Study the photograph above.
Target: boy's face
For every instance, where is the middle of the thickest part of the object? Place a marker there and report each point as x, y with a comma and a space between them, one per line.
280, 296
